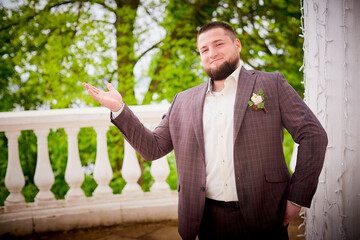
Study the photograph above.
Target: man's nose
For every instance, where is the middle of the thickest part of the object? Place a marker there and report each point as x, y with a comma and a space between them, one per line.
213, 53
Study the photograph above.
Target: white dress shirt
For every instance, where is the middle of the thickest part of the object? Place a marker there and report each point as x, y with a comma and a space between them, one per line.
218, 124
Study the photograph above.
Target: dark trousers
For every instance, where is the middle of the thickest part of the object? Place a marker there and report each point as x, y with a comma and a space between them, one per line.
224, 221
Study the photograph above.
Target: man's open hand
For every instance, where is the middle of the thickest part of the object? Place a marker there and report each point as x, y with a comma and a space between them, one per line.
111, 99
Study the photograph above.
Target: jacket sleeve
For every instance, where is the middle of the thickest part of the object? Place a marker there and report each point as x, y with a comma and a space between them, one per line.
150, 145
307, 131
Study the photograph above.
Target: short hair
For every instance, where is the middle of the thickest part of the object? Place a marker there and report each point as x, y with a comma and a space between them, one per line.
211, 25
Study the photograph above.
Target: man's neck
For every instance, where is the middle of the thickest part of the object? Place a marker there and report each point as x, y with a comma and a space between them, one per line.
218, 85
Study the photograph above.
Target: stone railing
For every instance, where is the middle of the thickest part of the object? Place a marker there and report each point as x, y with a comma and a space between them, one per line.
77, 211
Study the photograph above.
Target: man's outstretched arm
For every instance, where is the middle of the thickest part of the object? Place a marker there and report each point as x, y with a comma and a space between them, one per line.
150, 145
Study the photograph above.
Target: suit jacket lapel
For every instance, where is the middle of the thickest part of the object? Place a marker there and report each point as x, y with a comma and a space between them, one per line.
198, 98
243, 93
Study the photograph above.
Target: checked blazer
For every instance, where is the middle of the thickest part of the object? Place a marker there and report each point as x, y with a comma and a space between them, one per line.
263, 182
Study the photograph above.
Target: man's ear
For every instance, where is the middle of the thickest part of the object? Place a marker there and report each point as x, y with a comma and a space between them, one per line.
238, 44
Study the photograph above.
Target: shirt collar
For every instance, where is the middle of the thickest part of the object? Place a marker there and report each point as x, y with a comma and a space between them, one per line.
234, 75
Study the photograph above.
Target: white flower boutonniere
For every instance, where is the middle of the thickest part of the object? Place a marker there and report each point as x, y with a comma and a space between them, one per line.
257, 101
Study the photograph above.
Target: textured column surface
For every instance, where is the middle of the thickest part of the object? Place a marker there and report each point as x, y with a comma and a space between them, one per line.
131, 171
102, 172
332, 87
74, 175
160, 171
44, 175
14, 179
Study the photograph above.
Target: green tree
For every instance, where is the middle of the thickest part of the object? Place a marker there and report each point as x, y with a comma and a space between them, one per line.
48, 49
177, 66
270, 33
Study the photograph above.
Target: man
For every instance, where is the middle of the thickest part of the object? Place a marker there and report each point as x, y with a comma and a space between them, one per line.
227, 135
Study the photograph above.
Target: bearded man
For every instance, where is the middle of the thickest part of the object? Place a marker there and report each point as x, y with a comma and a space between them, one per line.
227, 135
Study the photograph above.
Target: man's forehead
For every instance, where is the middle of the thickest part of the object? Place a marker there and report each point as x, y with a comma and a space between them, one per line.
211, 36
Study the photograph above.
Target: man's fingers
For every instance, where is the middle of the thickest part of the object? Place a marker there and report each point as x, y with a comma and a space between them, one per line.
93, 94
91, 88
94, 89
110, 87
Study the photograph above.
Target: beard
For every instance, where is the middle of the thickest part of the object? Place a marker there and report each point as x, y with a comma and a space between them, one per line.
224, 70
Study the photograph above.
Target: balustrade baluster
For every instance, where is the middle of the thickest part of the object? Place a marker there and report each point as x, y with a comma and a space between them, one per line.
74, 175
102, 172
44, 176
14, 179
160, 171
131, 171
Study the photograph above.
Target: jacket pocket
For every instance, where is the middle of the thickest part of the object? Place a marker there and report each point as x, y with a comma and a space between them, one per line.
277, 176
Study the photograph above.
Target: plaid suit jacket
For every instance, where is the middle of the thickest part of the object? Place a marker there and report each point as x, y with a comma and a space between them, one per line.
263, 181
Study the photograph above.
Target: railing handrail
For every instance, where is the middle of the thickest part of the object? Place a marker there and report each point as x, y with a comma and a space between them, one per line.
73, 117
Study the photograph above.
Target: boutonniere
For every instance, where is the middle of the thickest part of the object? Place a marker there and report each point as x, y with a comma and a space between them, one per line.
257, 101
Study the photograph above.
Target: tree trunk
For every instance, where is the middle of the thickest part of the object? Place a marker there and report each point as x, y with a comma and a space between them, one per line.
124, 25
332, 86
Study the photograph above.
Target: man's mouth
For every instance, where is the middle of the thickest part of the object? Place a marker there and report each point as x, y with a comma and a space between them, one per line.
215, 60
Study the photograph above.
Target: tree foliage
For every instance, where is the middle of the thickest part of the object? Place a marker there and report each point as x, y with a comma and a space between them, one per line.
176, 66
270, 35
48, 48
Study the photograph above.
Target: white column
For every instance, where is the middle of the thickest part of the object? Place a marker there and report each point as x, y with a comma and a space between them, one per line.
160, 171
102, 172
332, 70
294, 157
131, 171
44, 176
74, 175
14, 179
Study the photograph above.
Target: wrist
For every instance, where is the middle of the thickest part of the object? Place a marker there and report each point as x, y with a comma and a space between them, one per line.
118, 108
118, 112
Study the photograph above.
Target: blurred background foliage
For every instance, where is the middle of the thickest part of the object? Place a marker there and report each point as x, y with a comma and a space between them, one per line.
145, 48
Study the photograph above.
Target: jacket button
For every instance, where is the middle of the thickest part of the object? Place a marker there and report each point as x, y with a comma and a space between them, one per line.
202, 188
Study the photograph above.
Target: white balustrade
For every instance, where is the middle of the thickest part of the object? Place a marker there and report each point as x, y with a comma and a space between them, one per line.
74, 175
160, 171
104, 208
131, 170
44, 176
14, 180
102, 172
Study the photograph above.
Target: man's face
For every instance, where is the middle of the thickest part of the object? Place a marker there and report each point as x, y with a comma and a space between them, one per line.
219, 53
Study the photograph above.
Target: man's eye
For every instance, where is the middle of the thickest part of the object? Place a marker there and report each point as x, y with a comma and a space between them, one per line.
204, 51
219, 44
